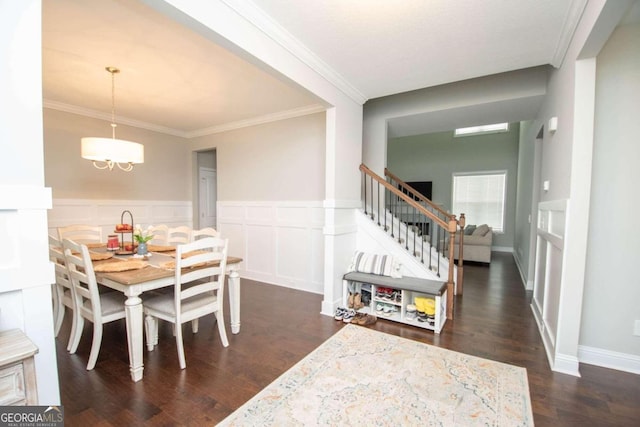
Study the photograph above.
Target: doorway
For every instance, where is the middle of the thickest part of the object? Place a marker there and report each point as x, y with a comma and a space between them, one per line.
207, 189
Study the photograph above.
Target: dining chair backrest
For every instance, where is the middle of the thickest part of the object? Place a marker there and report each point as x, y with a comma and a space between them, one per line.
99, 308
83, 278
160, 234
56, 255
204, 232
208, 279
179, 235
62, 291
81, 233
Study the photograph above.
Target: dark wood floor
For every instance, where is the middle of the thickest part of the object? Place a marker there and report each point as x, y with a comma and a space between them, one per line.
280, 326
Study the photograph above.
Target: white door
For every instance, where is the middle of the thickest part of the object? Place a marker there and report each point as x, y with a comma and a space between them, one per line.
208, 198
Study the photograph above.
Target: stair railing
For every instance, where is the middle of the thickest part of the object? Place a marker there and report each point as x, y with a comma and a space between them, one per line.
443, 214
376, 191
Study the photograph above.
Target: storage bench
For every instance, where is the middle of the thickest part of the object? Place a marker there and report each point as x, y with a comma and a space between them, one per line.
406, 290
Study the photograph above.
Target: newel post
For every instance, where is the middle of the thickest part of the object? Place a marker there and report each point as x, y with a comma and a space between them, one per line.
460, 280
451, 228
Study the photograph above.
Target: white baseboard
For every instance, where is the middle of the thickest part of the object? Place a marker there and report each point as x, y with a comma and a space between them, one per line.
609, 359
501, 249
528, 284
566, 364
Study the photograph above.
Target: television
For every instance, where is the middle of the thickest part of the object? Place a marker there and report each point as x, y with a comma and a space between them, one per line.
422, 187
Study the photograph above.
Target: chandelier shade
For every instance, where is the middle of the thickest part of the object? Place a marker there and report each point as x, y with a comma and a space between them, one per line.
108, 152
111, 150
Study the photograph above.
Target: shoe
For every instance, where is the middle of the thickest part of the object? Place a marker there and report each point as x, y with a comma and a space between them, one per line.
349, 315
357, 302
367, 320
350, 301
339, 314
358, 318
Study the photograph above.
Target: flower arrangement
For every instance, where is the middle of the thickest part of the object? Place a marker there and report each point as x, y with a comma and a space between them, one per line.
142, 236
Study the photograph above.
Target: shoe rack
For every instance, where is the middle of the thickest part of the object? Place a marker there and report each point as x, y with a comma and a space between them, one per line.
389, 298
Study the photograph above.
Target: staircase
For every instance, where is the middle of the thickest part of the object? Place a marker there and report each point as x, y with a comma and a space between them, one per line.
402, 222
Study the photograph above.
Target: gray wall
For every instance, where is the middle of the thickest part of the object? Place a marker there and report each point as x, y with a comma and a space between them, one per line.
525, 211
612, 287
282, 160
436, 157
164, 175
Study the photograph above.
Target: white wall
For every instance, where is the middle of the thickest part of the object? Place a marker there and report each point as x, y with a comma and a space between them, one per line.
271, 181
437, 156
566, 165
611, 282
25, 271
241, 28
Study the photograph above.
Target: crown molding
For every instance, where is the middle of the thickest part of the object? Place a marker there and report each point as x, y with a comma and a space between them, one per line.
68, 108
258, 18
568, 29
268, 118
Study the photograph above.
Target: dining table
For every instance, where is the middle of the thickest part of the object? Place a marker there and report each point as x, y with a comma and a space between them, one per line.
155, 275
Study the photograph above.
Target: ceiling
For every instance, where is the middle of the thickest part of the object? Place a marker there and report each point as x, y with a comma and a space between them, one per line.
176, 81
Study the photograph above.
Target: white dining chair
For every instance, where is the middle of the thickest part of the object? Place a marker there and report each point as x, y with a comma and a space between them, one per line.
160, 235
98, 308
81, 233
62, 291
204, 232
198, 291
179, 235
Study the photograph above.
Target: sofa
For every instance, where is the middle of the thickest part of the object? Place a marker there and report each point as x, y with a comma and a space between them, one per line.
476, 243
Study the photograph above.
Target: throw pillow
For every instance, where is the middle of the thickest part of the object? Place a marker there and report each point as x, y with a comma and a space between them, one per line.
469, 229
481, 230
382, 265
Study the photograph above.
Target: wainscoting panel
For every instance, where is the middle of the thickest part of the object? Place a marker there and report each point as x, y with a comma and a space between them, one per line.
107, 213
259, 249
283, 242
547, 287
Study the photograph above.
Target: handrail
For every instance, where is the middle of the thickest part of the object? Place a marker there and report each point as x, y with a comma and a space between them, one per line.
406, 198
418, 194
449, 224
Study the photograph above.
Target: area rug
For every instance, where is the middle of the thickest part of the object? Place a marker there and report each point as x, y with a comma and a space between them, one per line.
363, 377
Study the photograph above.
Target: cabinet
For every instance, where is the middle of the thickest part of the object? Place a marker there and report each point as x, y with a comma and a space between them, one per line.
17, 369
388, 298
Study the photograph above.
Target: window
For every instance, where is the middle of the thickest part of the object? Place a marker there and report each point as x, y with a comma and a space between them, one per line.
484, 129
481, 197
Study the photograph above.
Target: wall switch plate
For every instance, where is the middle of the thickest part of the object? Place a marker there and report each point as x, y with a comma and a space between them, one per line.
545, 185
636, 328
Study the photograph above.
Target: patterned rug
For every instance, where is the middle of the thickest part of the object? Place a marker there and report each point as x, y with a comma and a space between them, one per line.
363, 377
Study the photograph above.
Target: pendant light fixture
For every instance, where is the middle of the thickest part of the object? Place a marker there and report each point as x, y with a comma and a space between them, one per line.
108, 152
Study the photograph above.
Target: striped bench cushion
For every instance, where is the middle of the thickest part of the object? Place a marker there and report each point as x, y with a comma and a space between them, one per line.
383, 265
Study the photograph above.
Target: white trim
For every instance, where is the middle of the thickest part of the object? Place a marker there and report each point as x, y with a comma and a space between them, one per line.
106, 213
254, 121
568, 28
566, 364
609, 359
86, 112
277, 33
506, 249
341, 204
267, 118
528, 285
18, 197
